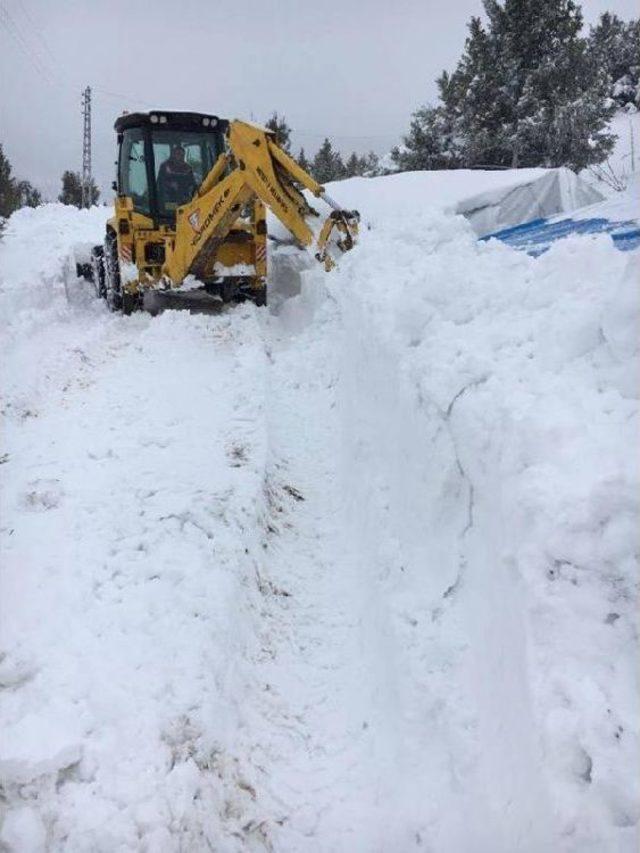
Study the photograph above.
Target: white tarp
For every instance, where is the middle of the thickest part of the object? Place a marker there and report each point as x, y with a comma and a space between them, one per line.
554, 191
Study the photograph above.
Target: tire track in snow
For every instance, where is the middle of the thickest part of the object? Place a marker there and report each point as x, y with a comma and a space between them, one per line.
317, 672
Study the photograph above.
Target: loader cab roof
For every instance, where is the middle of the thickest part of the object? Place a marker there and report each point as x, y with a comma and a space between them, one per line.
168, 119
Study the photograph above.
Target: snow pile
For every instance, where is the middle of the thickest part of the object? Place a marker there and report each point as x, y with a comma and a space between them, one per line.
37, 261
38, 246
358, 574
490, 412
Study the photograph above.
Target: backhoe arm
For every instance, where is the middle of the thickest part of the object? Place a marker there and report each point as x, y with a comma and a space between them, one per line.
254, 167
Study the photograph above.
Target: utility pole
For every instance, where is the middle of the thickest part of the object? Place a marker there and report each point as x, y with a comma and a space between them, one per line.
86, 148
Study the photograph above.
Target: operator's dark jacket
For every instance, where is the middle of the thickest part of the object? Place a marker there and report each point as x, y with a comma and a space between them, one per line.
176, 183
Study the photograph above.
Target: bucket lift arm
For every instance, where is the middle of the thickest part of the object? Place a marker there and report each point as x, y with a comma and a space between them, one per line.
254, 167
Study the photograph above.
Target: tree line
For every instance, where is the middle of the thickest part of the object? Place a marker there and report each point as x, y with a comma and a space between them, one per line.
530, 89
327, 163
16, 193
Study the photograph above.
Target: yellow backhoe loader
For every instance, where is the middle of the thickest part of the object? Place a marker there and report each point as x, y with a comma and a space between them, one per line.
190, 212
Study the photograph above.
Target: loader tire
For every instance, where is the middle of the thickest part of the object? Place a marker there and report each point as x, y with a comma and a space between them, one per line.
259, 296
129, 302
111, 264
97, 271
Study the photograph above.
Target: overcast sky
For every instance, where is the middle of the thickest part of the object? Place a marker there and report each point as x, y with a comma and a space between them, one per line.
352, 70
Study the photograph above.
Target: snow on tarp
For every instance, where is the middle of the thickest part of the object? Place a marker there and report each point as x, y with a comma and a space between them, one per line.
489, 199
618, 216
554, 191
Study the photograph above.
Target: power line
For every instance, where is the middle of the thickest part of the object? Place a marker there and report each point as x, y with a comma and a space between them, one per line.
36, 29
120, 97
48, 74
342, 135
14, 31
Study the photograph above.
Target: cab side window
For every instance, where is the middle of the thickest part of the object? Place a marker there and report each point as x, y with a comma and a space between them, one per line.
133, 170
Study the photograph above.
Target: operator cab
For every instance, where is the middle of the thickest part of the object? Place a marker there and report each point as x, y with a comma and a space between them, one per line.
164, 157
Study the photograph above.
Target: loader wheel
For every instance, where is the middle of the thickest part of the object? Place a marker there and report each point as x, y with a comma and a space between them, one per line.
97, 271
111, 266
259, 295
129, 302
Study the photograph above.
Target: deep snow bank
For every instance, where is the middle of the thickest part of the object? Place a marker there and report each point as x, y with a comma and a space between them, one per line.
445, 428
37, 263
490, 414
133, 501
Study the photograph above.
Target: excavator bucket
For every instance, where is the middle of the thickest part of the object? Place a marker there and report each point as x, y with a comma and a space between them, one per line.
343, 224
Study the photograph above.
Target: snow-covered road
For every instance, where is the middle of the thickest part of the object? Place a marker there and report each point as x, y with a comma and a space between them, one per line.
356, 574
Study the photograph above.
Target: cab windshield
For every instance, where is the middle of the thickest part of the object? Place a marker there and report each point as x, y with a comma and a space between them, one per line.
176, 161
181, 160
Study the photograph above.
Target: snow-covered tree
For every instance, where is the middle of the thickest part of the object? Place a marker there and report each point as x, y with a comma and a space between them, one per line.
327, 164
430, 143
370, 164
302, 161
278, 124
72, 189
14, 194
524, 93
353, 166
614, 47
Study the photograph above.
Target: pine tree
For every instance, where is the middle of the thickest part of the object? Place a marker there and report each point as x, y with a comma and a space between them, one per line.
7, 186
358, 166
278, 124
614, 48
72, 189
524, 93
28, 195
327, 164
430, 143
370, 165
14, 194
353, 166
339, 170
302, 161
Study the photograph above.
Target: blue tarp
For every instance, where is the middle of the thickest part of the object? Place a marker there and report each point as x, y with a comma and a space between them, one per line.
537, 236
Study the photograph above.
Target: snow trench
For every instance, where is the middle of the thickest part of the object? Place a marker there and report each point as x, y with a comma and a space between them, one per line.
355, 573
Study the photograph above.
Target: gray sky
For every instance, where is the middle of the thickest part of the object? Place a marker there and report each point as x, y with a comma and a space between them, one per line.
352, 70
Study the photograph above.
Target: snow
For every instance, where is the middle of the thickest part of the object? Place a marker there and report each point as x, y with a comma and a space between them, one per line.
623, 165
624, 205
354, 573
490, 200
